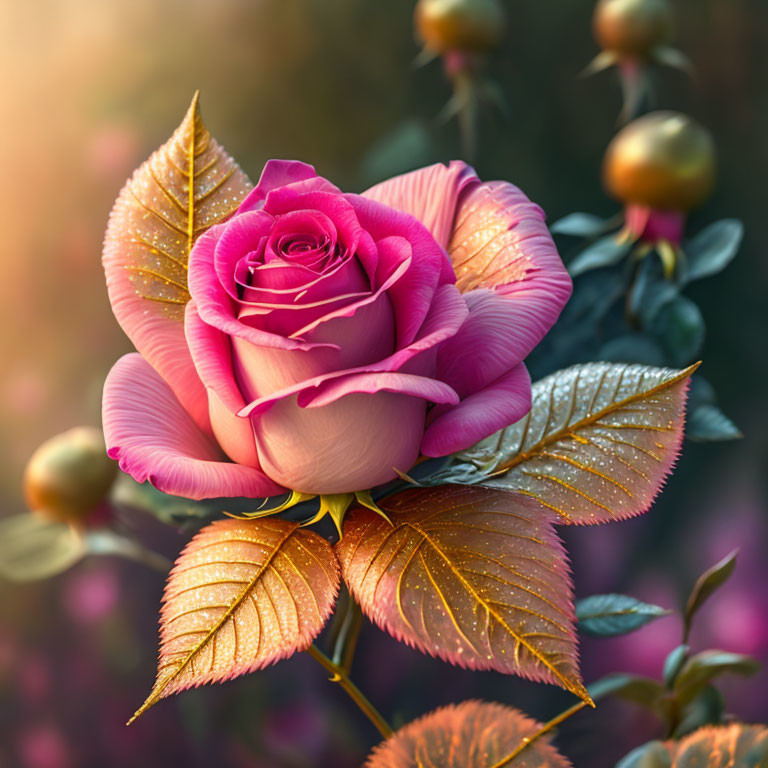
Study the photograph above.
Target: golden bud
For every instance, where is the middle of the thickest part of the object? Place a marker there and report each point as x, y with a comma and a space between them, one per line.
69, 475
664, 160
632, 27
459, 25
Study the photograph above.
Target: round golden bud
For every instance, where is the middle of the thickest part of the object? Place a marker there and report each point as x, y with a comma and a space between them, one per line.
459, 25
664, 160
632, 27
69, 475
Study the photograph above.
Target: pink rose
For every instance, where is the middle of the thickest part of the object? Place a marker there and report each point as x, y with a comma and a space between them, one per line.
337, 337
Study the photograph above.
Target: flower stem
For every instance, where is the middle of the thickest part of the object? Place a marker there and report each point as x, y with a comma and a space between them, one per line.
346, 640
340, 676
528, 740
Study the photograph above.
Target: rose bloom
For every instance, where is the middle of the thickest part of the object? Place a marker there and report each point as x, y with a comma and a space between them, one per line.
333, 338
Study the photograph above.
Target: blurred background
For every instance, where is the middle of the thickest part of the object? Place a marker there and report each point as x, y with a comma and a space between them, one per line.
90, 88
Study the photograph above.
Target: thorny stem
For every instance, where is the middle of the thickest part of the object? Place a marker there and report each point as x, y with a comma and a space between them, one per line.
526, 742
340, 676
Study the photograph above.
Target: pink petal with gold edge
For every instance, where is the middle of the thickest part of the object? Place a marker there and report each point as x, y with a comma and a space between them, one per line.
428, 194
154, 438
481, 414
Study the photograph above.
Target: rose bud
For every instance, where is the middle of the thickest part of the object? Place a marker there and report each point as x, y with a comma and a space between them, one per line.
459, 25
69, 476
660, 166
632, 28
633, 34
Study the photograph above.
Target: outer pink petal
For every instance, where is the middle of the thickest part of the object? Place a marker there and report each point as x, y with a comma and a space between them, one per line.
212, 352
154, 439
155, 334
429, 194
493, 408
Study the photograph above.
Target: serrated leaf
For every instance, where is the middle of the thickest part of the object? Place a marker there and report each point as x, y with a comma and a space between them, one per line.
644, 691
708, 583
679, 327
580, 225
242, 595
609, 615
604, 253
700, 669
596, 446
185, 187
472, 575
473, 734
708, 423
33, 548
673, 663
712, 249
726, 746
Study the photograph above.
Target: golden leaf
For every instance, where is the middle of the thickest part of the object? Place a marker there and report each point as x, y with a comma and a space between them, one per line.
473, 575
185, 187
242, 595
473, 734
728, 746
596, 446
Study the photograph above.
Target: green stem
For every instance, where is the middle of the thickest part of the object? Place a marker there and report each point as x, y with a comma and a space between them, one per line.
349, 632
340, 676
546, 728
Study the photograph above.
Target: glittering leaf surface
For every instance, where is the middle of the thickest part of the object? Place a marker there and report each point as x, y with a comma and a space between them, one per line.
473, 734
731, 746
184, 188
596, 446
472, 575
243, 594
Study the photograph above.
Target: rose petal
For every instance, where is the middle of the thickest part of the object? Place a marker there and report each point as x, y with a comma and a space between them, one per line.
446, 316
154, 439
393, 231
402, 383
429, 194
216, 307
493, 408
212, 353
278, 173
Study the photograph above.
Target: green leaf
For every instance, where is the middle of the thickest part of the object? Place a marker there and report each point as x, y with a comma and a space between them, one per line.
33, 548
104, 542
698, 670
643, 691
706, 708
651, 755
407, 146
708, 423
580, 225
679, 327
706, 585
673, 663
712, 249
632, 348
609, 615
604, 253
